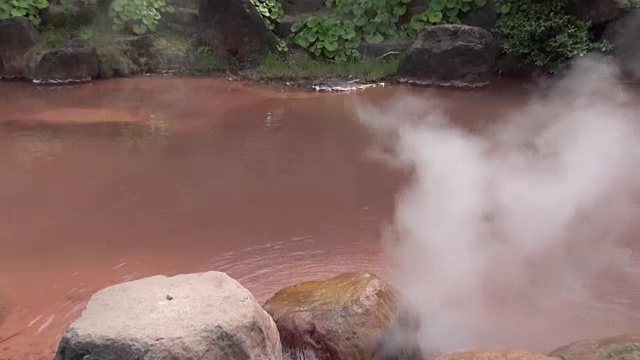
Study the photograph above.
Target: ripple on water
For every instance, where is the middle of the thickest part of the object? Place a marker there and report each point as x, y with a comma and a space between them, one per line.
292, 261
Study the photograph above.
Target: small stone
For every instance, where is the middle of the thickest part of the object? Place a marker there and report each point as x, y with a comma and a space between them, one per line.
169, 297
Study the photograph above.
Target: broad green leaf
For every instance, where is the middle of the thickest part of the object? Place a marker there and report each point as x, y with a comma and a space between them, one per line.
374, 38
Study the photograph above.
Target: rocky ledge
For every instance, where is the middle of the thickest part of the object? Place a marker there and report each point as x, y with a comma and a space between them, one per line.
353, 316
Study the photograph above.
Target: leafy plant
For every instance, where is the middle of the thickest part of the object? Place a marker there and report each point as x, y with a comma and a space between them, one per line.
140, 15
628, 4
374, 20
28, 8
67, 4
329, 37
270, 10
542, 33
442, 12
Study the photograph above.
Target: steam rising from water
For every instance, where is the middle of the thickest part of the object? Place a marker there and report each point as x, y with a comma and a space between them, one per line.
517, 236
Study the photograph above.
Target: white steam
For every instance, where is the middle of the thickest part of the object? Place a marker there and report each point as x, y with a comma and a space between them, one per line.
517, 236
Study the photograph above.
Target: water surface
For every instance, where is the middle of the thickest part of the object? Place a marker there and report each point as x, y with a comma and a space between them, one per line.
120, 179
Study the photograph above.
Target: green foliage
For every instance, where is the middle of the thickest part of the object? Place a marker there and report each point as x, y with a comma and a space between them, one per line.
338, 37
27, 8
542, 33
279, 67
140, 15
374, 20
628, 4
442, 12
328, 37
270, 10
67, 4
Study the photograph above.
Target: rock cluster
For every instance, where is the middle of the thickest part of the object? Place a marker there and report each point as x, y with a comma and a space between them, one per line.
352, 316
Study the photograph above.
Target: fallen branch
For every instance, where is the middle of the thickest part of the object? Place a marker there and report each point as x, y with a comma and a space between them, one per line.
11, 337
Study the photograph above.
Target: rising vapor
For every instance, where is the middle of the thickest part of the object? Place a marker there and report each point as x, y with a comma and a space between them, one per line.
518, 235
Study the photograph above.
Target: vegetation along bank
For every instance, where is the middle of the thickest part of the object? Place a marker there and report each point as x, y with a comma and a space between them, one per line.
445, 42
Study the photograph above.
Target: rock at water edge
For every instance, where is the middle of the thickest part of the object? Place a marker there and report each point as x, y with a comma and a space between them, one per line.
75, 61
353, 316
235, 31
17, 37
206, 316
457, 55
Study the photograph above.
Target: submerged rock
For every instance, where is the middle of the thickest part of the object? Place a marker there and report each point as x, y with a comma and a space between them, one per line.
234, 30
206, 316
505, 355
17, 37
457, 55
353, 316
621, 347
75, 61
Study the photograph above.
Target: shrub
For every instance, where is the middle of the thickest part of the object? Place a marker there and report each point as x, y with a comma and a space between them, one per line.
542, 33
442, 12
140, 15
270, 10
27, 8
338, 37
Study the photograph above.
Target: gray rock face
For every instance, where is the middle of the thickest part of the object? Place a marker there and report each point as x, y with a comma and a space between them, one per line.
596, 11
234, 30
456, 55
624, 34
75, 61
17, 37
206, 316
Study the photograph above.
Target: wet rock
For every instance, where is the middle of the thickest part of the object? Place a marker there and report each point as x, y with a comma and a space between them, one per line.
235, 31
210, 316
505, 355
458, 55
621, 347
124, 56
397, 45
595, 11
302, 6
75, 61
353, 316
623, 34
17, 37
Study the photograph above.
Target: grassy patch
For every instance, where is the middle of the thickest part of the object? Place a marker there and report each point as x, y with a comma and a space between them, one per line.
277, 67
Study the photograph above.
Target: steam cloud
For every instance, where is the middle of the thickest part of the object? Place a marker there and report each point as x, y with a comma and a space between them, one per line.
517, 235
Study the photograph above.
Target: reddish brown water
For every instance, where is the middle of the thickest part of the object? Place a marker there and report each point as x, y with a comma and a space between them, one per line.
117, 180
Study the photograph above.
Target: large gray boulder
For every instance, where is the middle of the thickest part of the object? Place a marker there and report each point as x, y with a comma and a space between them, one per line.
235, 30
75, 61
17, 37
452, 55
206, 316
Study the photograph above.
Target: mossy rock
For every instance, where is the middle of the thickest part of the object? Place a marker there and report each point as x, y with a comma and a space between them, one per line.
621, 347
354, 316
